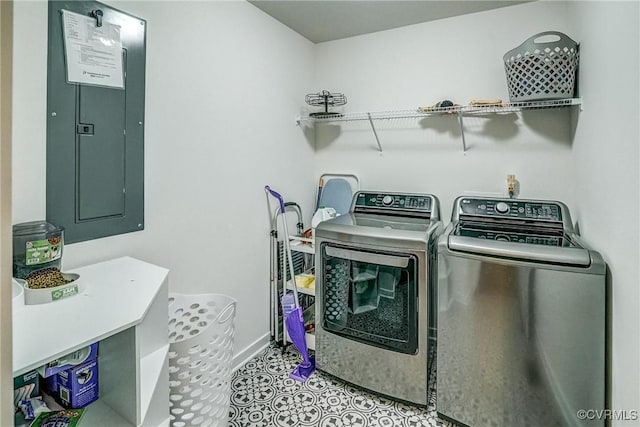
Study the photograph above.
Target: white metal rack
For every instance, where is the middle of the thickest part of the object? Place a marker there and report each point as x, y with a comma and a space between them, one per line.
279, 272
424, 112
304, 245
307, 291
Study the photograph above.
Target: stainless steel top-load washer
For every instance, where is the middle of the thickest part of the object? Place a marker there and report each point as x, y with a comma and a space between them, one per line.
521, 317
373, 270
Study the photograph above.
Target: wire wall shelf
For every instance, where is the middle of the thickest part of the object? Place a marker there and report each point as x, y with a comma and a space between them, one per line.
424, 112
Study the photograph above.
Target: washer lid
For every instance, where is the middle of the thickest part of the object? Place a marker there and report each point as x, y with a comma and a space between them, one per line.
560, 255
516, 234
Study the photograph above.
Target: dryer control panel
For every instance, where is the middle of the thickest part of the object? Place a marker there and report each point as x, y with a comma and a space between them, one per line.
423, 205
509, 208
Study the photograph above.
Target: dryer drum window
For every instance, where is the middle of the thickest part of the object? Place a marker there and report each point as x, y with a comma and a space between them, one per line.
371, 297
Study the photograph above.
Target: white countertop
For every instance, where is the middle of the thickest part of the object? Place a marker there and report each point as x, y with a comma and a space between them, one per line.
117, 295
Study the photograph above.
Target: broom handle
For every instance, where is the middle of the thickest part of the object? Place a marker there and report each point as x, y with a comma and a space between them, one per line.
287, 247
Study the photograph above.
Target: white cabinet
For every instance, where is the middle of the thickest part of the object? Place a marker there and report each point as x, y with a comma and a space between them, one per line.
124, 307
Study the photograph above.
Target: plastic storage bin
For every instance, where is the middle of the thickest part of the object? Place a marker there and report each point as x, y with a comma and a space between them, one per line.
201, 335
540, 69
36, 245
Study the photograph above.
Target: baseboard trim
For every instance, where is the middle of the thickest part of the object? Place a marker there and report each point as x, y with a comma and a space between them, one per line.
250, 352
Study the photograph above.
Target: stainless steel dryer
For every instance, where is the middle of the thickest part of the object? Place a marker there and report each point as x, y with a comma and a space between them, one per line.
521, 316
373, 270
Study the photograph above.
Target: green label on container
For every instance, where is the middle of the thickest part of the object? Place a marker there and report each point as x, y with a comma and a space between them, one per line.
63, 293
43, 251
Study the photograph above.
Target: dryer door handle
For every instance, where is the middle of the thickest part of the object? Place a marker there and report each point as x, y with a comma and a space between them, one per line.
369, 257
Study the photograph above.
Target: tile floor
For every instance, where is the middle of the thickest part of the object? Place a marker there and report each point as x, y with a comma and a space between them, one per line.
262, 394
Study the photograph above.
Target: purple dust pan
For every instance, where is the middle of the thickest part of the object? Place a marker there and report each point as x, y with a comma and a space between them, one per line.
295, 327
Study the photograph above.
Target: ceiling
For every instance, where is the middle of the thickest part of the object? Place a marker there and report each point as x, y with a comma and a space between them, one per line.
326, 20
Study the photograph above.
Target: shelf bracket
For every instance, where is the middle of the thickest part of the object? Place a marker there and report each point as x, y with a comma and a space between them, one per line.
374, 132
464, 143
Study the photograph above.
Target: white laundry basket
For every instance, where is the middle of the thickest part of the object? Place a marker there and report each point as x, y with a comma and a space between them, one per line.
201, 331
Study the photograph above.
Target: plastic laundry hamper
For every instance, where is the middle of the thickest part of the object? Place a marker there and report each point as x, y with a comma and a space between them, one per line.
201, 331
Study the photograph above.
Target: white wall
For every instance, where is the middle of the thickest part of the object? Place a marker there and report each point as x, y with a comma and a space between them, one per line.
459, 59
224, 82
606, 183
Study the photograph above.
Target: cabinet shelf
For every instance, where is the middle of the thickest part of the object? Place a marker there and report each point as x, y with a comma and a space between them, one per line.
96, 414
152, 370
426, 112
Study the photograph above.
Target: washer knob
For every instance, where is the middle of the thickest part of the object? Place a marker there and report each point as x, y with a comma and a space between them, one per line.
502, 207
387, 200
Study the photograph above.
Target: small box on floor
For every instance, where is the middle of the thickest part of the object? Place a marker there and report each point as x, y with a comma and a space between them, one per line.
64, 418
76, 387
25, 386
68, 361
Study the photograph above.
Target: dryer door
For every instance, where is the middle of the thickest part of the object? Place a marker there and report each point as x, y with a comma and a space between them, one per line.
370, 296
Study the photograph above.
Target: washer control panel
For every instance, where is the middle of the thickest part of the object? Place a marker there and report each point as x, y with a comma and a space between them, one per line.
512, 236
545, 211
393, 202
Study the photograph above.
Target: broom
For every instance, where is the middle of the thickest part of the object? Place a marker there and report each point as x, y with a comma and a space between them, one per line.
294, 319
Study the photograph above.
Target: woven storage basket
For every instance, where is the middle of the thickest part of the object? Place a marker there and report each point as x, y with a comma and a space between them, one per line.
538, 70
201, 331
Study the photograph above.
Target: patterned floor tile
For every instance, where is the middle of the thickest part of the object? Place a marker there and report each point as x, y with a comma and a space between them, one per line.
263, 395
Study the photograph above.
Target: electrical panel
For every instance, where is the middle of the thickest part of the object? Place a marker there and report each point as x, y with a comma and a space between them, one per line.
95, 127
